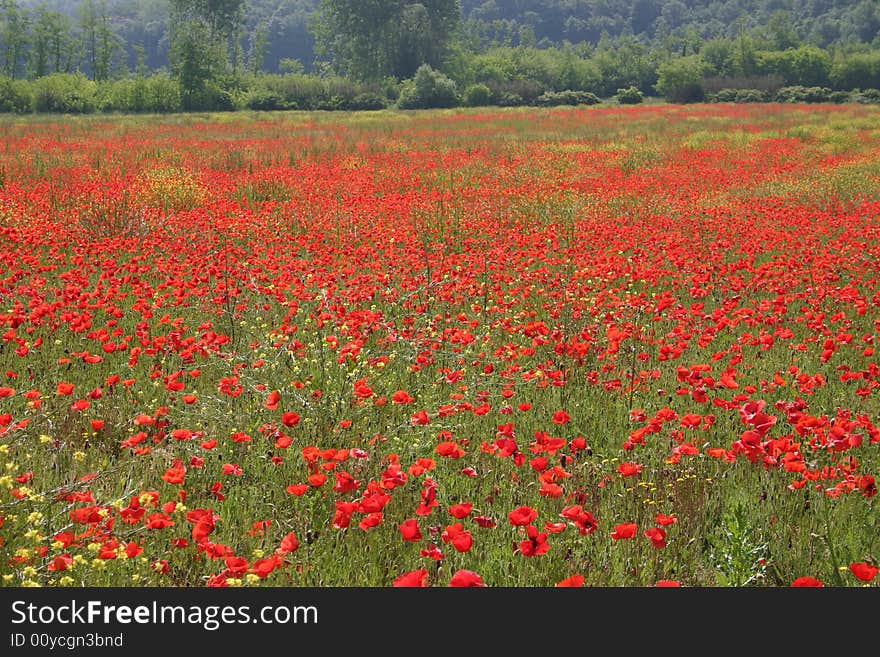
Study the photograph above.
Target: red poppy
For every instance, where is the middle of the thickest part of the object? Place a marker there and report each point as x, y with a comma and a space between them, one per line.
345, 482
665, 520
466, 578
572, 581
289, 543
370, 520
409, 530
460, 538
626, 469
522, 516
460, 511
657, 536
667, 583
624, 530
158, 521
289, 419
583, 520
863, 571
60, 563
449, 449
262, 568
272, 400
535, 544
807, 581
176, 473
561, 417
236, 565
402, 397
414, 578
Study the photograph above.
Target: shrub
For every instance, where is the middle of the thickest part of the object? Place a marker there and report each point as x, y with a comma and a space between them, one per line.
749, 96
367, 100
800, 94
567, 97
162, 94
477, 95
65, 93
866, 96
724, 96
15, 96
508, 99
629, 96
428, 88
680, 80
516, 92
264, 99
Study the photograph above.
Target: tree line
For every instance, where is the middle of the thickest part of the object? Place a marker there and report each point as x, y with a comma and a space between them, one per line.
369, 54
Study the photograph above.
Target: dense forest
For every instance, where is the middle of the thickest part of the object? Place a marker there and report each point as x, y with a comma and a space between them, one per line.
272, 54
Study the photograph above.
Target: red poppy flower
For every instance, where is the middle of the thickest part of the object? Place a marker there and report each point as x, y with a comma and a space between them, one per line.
60, 563
297, 489
289, 543
262, 568
409, 530
158, 521
624, 531
667, 583
466, 578
583, 520
236, 565
414, 578
402, 397
561, 417
863, 571
522, 516
572, 581
460, 511
176, 473
665, 520
626, 469
807, 581
657, 536
272, 400
536, 544
289, 419
460, 538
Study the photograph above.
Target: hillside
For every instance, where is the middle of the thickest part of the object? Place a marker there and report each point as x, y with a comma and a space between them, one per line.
286, 24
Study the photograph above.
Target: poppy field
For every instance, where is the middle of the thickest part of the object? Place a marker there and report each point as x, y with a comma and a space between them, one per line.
605, 346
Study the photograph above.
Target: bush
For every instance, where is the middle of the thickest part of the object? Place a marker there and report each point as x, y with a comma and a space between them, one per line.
15, 96
800, 94
65, 93
629, 96
264, 99
477, 95
162, 94
866, 96
520, 91
749, 96
508, 99
367, 100
567, 97
724, 96
680, 80
428, 88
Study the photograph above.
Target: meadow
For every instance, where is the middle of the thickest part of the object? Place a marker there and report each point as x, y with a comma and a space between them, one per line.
606, 346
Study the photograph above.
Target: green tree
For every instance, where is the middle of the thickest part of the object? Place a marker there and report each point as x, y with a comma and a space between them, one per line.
375, 39
205, 37
680, 79
14, 38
